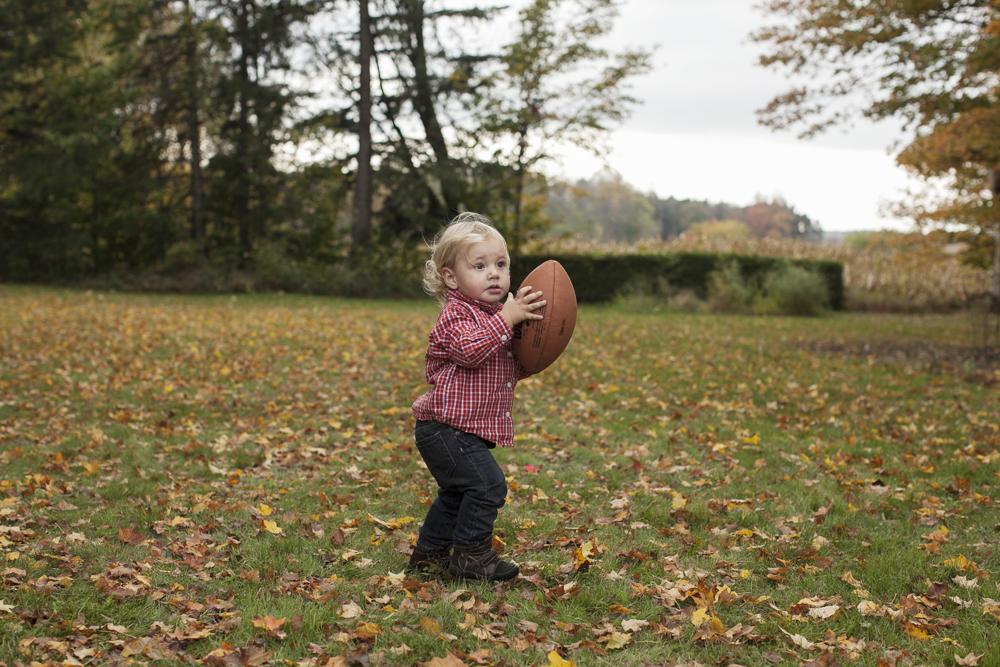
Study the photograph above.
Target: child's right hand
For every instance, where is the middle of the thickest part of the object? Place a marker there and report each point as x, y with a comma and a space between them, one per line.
519, 308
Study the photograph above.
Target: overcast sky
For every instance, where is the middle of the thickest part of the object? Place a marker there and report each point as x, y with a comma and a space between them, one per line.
696, 135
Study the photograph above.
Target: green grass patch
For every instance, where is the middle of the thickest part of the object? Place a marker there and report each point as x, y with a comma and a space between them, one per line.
234, 478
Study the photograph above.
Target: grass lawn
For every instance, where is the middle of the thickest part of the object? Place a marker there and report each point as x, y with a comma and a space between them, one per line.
232, 480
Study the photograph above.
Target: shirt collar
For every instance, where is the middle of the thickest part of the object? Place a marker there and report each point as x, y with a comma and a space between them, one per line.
492, 308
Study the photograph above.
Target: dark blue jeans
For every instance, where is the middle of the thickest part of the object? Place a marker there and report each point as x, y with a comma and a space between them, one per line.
471, 489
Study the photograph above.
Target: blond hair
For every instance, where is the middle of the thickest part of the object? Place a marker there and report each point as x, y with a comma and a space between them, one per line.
466, 230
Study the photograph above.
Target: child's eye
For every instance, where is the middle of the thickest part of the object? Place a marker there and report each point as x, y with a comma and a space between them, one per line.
480, 265
501, 264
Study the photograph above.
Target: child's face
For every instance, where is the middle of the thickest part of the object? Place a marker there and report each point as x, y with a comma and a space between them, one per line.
481, 272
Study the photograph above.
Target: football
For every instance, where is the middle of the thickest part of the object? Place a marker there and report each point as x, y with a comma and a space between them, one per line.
538, 343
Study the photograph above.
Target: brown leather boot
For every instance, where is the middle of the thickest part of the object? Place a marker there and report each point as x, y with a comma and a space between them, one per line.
428, 561
483, 563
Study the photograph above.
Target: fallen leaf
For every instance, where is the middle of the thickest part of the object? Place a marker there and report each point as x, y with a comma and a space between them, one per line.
351, 610
556, 660
634, 624
970, 660
799, 640
367, 631
271, 625
824, 613
271, 527
616, 640
449, 660
430, 626
130, 535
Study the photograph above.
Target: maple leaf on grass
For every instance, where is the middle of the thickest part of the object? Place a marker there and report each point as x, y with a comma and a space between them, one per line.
271, 625
130, 535
970, 660
556, 660
449, 660
351, 609
266, 525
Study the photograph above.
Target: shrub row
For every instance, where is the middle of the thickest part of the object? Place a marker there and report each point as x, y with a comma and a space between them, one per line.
598, 278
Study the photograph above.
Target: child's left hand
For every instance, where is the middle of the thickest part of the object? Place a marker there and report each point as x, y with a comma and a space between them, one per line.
519, 308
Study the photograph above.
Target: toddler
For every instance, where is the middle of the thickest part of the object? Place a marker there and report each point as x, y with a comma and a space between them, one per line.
472, 368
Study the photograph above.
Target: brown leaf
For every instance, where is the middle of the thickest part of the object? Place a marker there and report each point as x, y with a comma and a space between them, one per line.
449, 660
251, 656
351, 610
130, 535
271, 625
970, 660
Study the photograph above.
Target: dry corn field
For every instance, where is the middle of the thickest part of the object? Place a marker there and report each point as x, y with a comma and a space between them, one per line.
918, 275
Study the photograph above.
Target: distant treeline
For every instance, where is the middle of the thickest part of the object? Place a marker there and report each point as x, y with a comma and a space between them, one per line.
606, 208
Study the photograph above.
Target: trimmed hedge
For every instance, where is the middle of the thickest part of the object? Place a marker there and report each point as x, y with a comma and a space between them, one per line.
599, 278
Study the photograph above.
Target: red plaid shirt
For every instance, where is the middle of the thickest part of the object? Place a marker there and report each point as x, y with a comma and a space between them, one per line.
471, 364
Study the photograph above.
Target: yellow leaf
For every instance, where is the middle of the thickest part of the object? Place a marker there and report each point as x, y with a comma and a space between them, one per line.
701, 616
939, 535
430, 626
556, 660
916, 631
368, 631
270, 526
679, 501
617, 640
583, 556
265, 510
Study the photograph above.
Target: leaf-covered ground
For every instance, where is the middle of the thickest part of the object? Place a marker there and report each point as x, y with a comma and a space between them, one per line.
232, 480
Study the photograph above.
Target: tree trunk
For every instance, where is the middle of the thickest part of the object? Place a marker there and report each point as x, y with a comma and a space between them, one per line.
243, 136
424, 98
515, 233
194, 133
363, 185
995, 293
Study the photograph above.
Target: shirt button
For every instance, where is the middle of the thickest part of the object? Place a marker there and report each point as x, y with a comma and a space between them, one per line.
508, 384
508, 414
510, 354
503, 337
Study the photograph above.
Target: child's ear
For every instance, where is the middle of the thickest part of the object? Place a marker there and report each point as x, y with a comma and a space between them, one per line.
449, 278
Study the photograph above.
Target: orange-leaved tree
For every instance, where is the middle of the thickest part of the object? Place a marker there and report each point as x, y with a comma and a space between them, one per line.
935, 64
